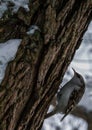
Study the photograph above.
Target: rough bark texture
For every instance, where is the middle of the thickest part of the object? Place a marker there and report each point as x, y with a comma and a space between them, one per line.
33, 77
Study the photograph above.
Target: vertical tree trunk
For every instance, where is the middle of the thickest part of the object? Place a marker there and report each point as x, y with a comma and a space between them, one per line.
33, 77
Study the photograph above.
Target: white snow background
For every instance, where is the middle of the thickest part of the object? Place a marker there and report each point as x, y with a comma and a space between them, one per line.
82, 63
7, 53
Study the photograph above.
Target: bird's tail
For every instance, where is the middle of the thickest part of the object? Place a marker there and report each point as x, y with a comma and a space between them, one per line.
63, 117
67, 112
51, 113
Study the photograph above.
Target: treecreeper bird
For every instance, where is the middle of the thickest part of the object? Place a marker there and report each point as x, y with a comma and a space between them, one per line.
69, 95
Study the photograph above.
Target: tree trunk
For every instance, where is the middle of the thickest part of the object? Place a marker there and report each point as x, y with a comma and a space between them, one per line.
33, 77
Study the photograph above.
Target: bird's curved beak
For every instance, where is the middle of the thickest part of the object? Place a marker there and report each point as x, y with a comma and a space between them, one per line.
74, 71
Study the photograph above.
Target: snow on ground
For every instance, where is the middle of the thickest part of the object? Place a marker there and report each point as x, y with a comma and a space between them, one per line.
69, 123
7, 53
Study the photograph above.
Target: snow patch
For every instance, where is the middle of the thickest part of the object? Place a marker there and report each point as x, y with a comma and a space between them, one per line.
7, 53
32, 29
17, 5
3, 8
69, 123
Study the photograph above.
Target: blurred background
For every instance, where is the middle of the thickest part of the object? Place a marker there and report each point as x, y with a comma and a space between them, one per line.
81, 118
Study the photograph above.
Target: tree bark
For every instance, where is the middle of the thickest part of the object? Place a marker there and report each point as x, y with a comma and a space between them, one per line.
33, 77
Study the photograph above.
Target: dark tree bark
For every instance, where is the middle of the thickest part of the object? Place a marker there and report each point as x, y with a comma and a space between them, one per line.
33, 77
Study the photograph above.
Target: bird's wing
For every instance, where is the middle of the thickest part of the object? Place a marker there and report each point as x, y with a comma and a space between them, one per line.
75, 97
59, 94
73, 100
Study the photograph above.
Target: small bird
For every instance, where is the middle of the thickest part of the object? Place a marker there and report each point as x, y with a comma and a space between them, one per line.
69, 96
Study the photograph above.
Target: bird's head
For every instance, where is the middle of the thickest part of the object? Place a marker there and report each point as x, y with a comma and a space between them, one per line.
78, 79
